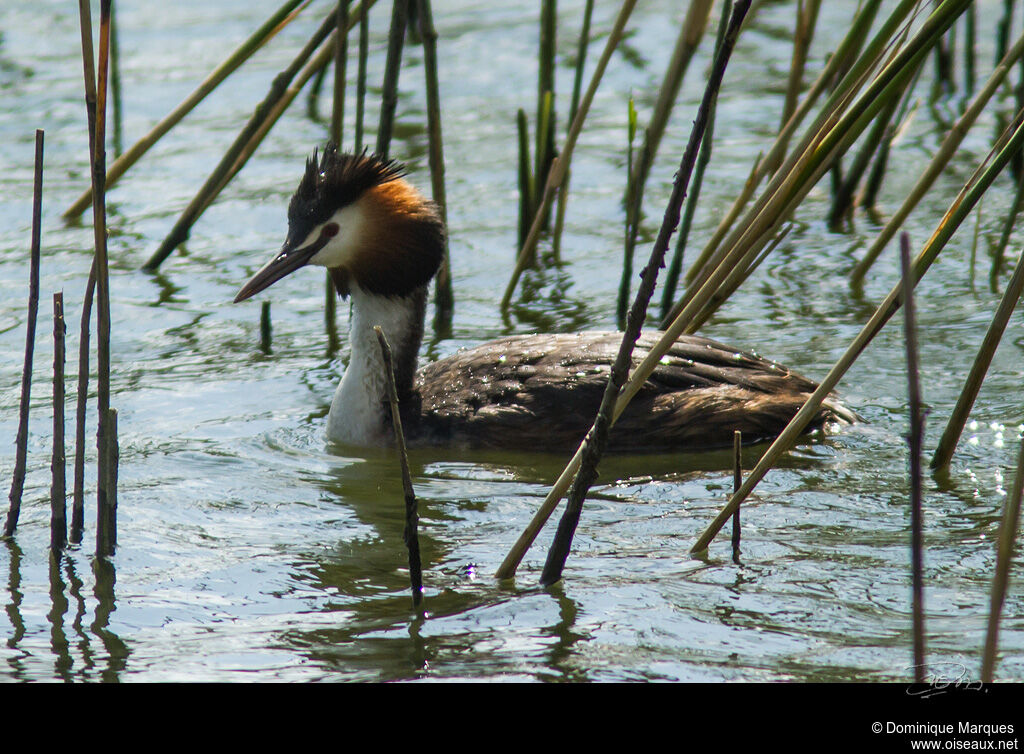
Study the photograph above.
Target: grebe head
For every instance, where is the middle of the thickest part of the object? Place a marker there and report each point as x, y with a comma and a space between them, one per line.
358, 217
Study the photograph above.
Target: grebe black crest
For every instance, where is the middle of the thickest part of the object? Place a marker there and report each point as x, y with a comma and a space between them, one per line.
382, 242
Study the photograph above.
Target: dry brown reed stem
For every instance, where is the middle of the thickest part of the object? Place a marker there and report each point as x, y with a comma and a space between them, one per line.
444, 298
106, 515
234, 158
805, 167
959, 209
21, 440
392, 66
104, 494
78, 495
915, 440
806, 20
410, 534
577, 86
737, 482
691, 32
337, 126
584, 463
275, 23
58, 489
561, 164
964, 404
1008, 526
943, 155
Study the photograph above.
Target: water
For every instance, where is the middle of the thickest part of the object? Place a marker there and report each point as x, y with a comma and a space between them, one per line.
249, 551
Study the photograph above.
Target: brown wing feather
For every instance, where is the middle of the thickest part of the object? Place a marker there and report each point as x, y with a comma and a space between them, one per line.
541, 392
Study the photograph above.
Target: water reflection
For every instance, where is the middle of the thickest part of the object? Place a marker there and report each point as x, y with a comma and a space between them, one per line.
70, 645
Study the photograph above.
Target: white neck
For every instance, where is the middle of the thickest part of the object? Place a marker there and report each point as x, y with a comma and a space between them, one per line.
358, 415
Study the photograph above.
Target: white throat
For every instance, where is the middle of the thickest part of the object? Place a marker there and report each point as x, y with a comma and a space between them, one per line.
358, 412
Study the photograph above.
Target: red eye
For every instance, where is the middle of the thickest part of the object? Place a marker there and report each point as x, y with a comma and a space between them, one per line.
330, 230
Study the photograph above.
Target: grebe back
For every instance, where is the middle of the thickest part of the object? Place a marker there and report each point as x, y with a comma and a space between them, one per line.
382, 243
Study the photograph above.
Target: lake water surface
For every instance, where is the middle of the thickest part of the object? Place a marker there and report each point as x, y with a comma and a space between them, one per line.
248, 550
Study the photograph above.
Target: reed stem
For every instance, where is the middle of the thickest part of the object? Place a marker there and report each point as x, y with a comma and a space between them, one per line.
803, 35
591, 449
632, 221
737, 482
104, 494
1008, 526
961, 206
915, 439
265, 327
78, 495
115, 85
410, 535
389, 94
261, 36
444, 297
58, 490
21, 440
364, 52
106, 515
544, 151
235, 157
561, 163
668, 291
938, 163
972, 386
1004, 238
526, 183
340, 56
577, 85
691, 32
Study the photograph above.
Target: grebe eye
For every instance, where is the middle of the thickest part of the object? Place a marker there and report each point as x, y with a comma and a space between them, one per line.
330, 230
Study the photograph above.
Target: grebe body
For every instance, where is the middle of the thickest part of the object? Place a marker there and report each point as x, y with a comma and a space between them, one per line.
382, 242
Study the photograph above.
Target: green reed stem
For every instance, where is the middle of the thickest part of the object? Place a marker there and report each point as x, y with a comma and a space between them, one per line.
526, 197
1008, 527
915, 439
943, 155
58, 487
226, 168
560, 166
803, 35
444, 297
410, 534
364, 52
583, 465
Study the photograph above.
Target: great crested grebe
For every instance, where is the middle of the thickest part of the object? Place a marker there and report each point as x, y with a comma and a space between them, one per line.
382, 242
